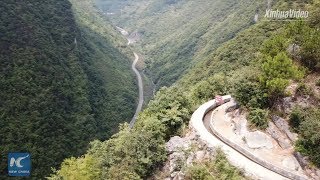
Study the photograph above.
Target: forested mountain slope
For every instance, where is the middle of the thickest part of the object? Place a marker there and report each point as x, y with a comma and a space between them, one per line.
254, 66
63, 81
177, 34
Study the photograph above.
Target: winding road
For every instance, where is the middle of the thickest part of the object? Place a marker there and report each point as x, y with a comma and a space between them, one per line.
140, 84
139, 78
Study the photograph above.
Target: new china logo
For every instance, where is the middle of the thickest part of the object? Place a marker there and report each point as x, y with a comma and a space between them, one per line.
19, 164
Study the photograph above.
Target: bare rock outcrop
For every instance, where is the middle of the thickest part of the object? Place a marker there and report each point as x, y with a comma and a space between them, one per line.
283, 125
183, 152
278, 136
233, 105
258, 139
291, 163
177, 143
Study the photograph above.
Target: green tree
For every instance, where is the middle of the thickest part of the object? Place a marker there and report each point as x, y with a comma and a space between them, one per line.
83, 168
277, 72
310, 48
63, 81
122, 171
207, 89
218, 168
309, 136
296, 117
275, 45
250, 94
305, 121
139, 150
307, 37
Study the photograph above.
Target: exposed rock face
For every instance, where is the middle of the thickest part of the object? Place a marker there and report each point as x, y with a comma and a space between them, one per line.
258, 139
177, 143
183, 152
240, 126
291, 163
284, 127
233, 105
287, 104
302, 161
199, 155
277, 135
179, 176
294, 50
175, 160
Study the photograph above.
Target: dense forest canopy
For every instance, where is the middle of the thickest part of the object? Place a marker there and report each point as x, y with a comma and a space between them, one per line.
66, 87
242, 64
63, 83
175, 35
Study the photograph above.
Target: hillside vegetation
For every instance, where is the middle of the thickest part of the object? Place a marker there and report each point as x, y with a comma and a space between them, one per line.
254, 66
176, 34
63, 81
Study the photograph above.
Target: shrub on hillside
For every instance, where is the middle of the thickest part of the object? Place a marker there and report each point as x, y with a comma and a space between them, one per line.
82, 168
205, 90
308, 38
276, 74
258, 118
275, 45
309, 137
198, 172
310, 54
219, 168
318, 82
250, 94
296, 118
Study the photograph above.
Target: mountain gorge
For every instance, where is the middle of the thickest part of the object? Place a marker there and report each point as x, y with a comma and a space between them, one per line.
177, 34
228, 61
67, 90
